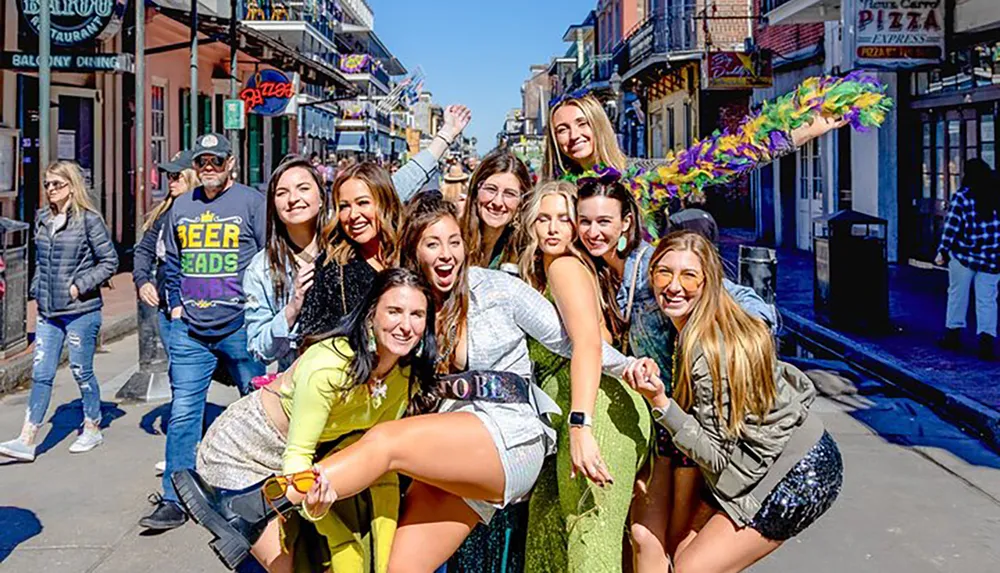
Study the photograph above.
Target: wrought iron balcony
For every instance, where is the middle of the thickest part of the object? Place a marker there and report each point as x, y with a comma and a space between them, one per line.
673, 31
284, 16
354, 65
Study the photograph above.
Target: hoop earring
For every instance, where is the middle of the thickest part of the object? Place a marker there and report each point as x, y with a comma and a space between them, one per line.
419, 350
622, 243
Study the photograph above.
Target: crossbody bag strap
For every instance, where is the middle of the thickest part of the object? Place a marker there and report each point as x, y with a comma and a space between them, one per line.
631, 294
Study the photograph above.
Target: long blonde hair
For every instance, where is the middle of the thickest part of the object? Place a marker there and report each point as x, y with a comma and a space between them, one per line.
79, 195
190, 179
723, 331
606, 151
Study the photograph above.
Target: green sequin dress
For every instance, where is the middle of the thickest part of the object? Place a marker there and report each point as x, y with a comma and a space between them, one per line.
574, 525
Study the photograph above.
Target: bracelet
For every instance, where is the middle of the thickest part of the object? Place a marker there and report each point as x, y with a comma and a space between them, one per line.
305, 513
445, 139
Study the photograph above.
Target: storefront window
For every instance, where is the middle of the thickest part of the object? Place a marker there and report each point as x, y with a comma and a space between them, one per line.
965, 68
986, 139
158, 133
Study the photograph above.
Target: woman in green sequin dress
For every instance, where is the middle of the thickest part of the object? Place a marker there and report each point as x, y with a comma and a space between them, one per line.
580, 504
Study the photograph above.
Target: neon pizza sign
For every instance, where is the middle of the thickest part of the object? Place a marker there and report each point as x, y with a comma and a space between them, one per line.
268, 92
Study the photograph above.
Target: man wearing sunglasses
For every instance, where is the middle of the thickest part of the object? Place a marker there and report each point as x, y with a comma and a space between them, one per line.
211, 234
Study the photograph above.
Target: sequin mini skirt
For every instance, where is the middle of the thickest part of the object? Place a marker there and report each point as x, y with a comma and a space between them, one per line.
804, 494
242, 447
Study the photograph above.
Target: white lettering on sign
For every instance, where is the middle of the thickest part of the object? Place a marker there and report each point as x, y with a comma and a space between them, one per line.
77, 8
898, 33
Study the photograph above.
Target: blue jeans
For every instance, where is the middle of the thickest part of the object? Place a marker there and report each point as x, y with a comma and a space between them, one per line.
80, 332
166, 325
193, 359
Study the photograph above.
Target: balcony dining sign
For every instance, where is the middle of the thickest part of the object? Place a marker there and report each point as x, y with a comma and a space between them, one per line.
75, 22
268, 93
895, 34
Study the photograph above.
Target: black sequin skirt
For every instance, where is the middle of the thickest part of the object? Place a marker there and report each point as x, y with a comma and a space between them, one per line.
804, 494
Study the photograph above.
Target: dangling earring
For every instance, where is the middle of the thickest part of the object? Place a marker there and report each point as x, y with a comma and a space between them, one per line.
372, 346
622, 243
419, 350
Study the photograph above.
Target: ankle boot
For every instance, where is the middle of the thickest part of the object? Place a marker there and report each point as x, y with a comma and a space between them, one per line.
952, 339
987, 347
236, 519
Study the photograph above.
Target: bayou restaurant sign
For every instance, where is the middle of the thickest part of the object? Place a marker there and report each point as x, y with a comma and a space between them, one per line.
894, 34
77, 21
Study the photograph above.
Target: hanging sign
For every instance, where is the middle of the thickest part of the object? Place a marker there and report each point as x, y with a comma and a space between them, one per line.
895, 34
76, 21
70, 62
268, 92
738, 70
234, 114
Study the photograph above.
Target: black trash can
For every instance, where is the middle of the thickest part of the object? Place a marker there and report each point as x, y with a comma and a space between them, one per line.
851, 288
14, 283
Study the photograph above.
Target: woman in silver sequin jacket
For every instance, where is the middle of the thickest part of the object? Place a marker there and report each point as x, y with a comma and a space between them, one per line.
739, 413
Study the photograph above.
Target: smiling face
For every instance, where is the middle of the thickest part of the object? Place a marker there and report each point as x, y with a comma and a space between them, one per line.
553, 226
297, 198
600, 224
574, 133
678, 282
441, 254
399, 321
498, 199
357, 211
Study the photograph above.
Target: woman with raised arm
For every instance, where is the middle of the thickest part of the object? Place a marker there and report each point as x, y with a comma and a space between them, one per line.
347, 381
578, 511
739, 413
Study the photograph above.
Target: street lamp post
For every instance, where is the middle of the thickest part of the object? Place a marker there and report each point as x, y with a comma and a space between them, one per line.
615, 105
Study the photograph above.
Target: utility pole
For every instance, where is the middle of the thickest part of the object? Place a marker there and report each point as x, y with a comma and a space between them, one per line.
44, 84
233, 135
194, 73
140, 115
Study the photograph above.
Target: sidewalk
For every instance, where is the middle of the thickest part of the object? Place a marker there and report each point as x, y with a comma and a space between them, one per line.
119, 319
959, 386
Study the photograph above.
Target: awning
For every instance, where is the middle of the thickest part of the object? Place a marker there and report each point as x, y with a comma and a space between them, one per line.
350, 141
213, 21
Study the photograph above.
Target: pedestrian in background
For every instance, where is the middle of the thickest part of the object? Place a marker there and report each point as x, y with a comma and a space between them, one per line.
74, 256
970, 245
456, 187
211, 235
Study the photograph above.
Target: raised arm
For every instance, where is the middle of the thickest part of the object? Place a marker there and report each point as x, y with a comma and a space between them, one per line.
418, 170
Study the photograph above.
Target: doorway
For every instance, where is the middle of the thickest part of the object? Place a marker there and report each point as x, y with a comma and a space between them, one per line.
809, 197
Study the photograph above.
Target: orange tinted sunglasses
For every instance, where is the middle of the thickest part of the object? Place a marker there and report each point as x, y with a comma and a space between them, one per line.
275, 487
690, 280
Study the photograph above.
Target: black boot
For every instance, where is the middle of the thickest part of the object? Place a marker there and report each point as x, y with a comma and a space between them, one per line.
236, 519
952, 339
987, 347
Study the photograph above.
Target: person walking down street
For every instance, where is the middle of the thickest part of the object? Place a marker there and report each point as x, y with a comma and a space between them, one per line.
150, 254
74, 256
456, 187
970, 245
211, 235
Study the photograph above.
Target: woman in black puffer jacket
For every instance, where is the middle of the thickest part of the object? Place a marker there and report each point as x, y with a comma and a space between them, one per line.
74, 256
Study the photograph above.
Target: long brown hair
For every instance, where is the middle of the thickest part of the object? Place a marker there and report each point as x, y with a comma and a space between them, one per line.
723, 331
279, 246
452, 308
496, 161
340, 247
556, 163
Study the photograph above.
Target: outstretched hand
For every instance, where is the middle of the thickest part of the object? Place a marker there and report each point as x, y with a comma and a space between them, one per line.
820, 125
456, 118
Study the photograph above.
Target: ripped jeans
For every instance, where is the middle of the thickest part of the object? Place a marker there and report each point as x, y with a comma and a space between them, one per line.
79, 331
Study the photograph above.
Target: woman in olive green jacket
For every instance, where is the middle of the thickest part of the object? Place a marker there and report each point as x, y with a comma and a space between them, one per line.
738, 412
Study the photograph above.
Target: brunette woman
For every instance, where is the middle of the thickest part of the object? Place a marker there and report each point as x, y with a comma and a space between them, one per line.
492, 211
578, 512
74, 256
739, 413
358, 376
278, 278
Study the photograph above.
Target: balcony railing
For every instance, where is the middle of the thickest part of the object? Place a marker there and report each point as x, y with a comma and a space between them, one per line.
673, 31
364, 64
362, 110
768, 5
317, 15
603, 68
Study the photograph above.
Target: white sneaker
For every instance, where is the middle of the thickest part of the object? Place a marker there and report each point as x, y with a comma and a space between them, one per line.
160, 467
18, 450
88, 440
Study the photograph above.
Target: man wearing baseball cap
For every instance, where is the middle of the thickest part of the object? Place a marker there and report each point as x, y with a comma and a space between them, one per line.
211, 234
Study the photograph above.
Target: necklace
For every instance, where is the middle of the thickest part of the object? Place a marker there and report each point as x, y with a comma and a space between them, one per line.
377, 391
451, 340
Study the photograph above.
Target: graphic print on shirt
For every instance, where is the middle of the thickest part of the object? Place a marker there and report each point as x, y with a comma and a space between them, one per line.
210, 259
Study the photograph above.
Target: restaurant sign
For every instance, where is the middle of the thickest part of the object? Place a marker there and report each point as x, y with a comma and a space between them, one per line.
268, 92
895, 34
738, 70
75, 22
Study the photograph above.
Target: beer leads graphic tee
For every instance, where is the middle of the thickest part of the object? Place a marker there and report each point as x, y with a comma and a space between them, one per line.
209, 244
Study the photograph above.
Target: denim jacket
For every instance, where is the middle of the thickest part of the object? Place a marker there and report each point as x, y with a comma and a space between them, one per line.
414, 174
269, 337
651, 334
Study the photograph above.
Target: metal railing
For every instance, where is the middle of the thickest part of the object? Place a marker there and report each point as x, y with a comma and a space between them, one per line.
319, 16
768, 5
364, 64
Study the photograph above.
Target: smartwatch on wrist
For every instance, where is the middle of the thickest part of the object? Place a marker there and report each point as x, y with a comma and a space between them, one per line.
580, 419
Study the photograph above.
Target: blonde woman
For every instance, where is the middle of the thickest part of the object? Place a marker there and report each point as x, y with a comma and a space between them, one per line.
581, 501
151, 251
73, 256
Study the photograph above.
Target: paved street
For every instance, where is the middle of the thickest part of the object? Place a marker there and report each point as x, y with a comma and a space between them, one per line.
919, 495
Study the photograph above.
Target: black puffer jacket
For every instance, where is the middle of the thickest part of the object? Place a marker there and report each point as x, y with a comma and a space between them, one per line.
81, 254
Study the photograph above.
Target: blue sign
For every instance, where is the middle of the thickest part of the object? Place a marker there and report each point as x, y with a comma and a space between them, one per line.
268, 92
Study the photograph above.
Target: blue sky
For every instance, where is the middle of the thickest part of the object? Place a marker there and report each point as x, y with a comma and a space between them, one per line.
477, 52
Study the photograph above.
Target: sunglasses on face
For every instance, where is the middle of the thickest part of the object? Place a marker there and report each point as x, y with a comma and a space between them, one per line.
213, 160
690, 281
275, 487
55, 185
171, 177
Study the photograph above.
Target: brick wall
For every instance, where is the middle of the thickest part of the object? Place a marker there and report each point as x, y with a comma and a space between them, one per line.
786, 40
731, 25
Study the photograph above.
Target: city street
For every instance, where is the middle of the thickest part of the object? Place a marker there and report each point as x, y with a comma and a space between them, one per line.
919, 495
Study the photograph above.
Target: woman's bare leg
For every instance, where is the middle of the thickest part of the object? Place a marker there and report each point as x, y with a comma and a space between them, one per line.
267, 551
721, 547
452, 451
650, 515
688, 512
434, 524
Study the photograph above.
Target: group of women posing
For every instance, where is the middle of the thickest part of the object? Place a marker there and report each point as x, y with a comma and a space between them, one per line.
461, 349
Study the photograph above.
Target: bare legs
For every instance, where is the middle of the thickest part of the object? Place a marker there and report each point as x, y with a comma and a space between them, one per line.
651, 517
267, 551
721, 547
433, 526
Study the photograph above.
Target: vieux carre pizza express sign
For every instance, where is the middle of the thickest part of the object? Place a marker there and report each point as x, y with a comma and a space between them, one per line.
268, 92
898, 33
76, 21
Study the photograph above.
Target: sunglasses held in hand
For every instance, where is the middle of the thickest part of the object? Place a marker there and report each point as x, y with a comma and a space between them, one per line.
275, 487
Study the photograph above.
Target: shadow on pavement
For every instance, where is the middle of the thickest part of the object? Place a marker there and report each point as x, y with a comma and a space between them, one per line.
19, 525
68, 418
155, 421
